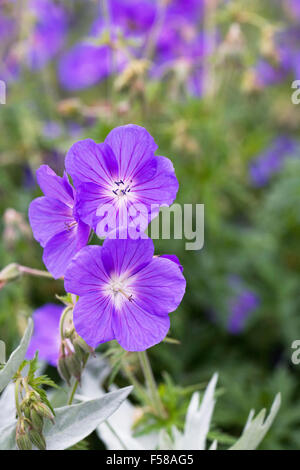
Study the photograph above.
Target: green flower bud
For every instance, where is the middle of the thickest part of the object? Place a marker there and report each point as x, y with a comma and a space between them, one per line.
37, 439
22, 438
23, 442
26, 411
44, 411
9, 273
74, 365
36, 420
63, 369
82, 344
79, 352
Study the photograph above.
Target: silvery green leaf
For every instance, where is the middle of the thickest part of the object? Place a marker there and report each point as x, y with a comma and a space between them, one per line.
74, 423
118, 434
2, 352
214, 445
95, 373
58, 397
16, 358
7, 407
8, 437
198, 418
256, 429
165, 442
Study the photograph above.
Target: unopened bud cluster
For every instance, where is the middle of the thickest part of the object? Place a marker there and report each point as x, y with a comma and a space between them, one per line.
30, 424
74, 353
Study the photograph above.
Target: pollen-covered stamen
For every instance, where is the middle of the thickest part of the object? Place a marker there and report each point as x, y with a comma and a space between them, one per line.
121, 189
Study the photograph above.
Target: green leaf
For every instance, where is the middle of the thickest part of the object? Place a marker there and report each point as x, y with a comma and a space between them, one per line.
33, 366
65, 299
16, 358
43, 396
82, 445
256, 429
44, 380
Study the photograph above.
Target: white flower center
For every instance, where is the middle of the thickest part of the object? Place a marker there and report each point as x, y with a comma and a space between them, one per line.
119, 292
122, 189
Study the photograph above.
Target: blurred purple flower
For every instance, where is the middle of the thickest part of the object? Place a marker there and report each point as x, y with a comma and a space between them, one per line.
122, 172
241, 307
10, 67
182, 46
49, 28
87, 63
267, 74
134, 17
7, 28
52, 130
48, 34
294, 7
271, 160
287, 47
179, 36
84, 66
28, 177
46, 337
193, 9
125, 293
55, 223
8, 62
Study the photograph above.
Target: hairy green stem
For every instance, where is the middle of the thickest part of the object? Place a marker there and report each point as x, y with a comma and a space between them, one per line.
75, 386
73, 391
152, 388
138, 388
17, 387
35, 272
62, 320
112, 430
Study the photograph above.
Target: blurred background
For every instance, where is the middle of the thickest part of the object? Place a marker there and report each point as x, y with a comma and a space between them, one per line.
211, 80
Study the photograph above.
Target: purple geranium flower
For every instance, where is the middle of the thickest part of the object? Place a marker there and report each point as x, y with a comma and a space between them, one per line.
8, 63
122, 173
48, 33
134, 17
271, 160
84, 66
55, 223
125, 293
286, 45
181, 46
7, 28
267, 74
87, 63
46, 337
174, 259
241, 308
